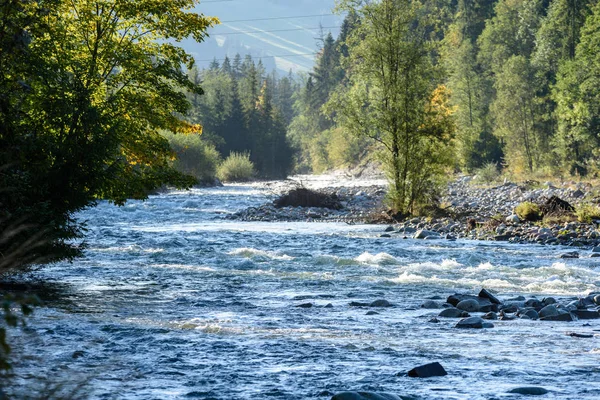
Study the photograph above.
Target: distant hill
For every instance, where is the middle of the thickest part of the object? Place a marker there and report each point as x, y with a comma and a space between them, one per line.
262, 29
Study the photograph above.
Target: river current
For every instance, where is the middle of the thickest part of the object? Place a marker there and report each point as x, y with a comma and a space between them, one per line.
173, 300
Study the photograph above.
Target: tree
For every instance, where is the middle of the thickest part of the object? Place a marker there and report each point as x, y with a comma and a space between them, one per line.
578, 101
392, 97
95, 80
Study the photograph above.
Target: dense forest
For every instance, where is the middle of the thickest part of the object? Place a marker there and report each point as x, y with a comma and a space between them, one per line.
521, 78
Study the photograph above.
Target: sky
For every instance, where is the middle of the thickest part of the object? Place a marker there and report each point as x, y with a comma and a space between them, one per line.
284, 34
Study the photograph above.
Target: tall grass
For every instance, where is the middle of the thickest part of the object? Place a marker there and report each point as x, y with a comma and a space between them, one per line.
236, 168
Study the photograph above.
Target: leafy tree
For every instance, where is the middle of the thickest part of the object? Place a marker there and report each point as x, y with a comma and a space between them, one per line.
578, 101
85, 88
392, 97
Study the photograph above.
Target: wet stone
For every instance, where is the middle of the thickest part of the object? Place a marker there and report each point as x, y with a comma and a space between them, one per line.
453, 313
572, 254
587, 314
484, 293
490, 316
427, 371
549, 311
365, 396
529, 391
473, 323
372, 313
305, 305
566, 317
380, 303
431, 304
469, 305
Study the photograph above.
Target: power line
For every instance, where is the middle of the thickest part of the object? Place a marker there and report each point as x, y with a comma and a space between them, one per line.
277, 18
260, 58
276, 30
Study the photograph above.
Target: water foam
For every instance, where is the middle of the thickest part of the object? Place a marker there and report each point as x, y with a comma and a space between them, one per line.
249, 252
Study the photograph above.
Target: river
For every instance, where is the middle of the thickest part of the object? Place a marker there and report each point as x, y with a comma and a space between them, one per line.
173, 300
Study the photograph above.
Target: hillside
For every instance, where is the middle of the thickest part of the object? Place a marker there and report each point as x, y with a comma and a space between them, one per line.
256, 27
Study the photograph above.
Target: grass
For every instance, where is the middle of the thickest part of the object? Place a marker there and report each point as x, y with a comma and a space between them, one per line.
528, 211
587, 213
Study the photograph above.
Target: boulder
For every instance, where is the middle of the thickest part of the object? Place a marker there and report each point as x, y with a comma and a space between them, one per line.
431, 304
457, 298
380, 303
305, 305
469, 305
572, 254
546, 301
529, 314
490, 315
423, 234
587, 314
389, 229
302, 197
365, 396
513, 219
549, 311
533, 303
566, 317
453, 313
473, 323
372, 313
485, 294
427, 371
529, 391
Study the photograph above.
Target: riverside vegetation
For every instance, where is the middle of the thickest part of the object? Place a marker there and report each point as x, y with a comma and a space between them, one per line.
97, 102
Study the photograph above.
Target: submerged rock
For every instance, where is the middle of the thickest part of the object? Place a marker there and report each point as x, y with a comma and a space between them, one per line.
427, 371
431, 304
367, 396
423, 234
453, 313
473, 323
305, 305
529, 391
380, 303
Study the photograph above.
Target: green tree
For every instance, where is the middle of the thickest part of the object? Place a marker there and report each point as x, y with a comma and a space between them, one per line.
85, 88
578, 101
392, 97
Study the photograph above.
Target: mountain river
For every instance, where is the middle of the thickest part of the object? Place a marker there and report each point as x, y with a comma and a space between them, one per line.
173, 300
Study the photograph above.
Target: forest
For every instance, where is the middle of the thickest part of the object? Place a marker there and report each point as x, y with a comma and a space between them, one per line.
521, 79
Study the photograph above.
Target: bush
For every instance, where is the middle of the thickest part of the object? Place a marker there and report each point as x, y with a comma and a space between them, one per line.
488, 173
586, 213
195, 156
236, 168
528, 211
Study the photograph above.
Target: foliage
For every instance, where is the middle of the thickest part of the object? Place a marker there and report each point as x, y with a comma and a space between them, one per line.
392, 97
14, 309
245, 110
236, 168
85, 87
528, 211
489, 173
194, 156
587, 213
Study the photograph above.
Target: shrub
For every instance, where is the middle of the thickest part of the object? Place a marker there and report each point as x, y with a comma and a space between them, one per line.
236, 168
488, 173
195, 156
528, 211
586, 213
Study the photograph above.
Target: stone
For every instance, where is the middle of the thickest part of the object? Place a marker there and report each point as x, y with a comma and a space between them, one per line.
580, 335
434, 320
305, 305
329, 305
389, 229
586, 314
572, 254
596, 249
529, 314
423, 234
597, 299
473, 323
358, 304
380, 303
529, 391
469, 305
453, 313
457, 298
490, 315
385, 235
534, 303
510, 308
484, 293
372, 313
427, 371
566, 317
546, 301
365, 396
513, 219
578, 194
549, 311
431, 304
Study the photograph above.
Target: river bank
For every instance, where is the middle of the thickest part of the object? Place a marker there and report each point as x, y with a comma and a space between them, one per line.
471, 211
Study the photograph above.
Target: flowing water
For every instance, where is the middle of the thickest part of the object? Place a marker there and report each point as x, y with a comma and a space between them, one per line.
174, 300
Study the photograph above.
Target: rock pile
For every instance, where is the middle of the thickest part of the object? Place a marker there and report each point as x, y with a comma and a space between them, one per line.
491, 308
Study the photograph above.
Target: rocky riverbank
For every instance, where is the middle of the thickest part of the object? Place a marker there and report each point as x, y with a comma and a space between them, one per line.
470, 211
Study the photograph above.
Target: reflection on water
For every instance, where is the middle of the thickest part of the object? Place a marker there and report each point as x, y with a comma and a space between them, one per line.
174, 301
